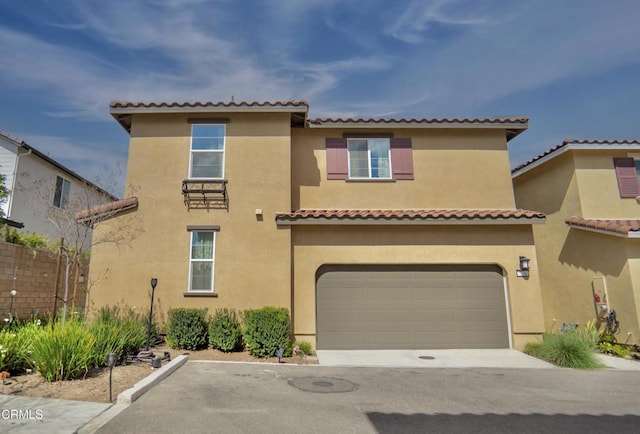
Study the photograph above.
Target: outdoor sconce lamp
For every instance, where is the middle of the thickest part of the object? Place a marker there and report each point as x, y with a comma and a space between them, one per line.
523, 271
81, 278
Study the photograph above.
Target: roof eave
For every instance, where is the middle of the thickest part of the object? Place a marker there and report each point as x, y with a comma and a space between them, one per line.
630, 234
406, 221
123, 115
522, 169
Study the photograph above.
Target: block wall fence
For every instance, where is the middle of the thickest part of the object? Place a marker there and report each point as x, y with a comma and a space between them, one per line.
35, 282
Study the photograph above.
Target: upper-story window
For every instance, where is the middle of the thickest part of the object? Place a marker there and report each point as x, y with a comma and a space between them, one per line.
61, 195
369, 158
628, 175
207, 151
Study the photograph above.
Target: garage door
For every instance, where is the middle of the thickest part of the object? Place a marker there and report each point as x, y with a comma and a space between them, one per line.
410, 307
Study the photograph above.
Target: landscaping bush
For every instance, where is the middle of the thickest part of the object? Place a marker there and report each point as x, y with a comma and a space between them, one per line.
303, 347
266, 330
118, 332
589, 334
568, 350
62, 352
225, 333
13, 352
187, 328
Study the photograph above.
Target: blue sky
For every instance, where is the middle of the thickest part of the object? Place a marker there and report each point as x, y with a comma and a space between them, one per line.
572, 66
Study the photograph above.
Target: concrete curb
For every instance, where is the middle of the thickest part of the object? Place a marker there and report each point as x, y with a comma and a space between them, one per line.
133, 393
142, 386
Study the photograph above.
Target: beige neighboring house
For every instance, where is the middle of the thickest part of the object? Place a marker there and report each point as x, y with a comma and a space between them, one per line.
43, 190
376, 233
589, 249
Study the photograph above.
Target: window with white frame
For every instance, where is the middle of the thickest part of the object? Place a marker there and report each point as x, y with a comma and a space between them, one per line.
207, 151
369, 158
201, 261
61, 194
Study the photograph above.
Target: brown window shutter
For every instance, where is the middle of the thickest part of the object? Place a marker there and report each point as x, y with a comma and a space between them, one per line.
401, 158
337, 165
627, 177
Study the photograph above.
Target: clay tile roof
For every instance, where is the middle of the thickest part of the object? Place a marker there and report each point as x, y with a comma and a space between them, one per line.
424, 216
420, 121
107, 210
206, 104
604, 142
627, 228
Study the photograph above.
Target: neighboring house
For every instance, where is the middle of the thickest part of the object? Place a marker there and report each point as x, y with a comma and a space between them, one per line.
589, 249
43, 190
375, 233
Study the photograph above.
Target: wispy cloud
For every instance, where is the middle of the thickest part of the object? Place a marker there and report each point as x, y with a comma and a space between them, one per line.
528, 45
411, 58
419, 18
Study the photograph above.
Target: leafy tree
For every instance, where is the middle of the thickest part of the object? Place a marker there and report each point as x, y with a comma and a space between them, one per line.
77, 235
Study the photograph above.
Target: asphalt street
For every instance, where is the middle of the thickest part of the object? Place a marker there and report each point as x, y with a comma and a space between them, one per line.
256, 398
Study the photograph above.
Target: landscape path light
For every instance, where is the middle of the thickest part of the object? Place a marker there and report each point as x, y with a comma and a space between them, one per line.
154, 283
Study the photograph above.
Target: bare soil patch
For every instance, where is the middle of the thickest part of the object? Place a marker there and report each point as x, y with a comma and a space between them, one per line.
95, 386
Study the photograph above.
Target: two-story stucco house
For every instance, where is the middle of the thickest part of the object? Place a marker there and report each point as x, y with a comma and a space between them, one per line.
589, 249
375, 233
42, 191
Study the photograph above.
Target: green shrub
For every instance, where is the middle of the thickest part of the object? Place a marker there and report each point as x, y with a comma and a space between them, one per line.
266, 330
304, 347
613, 349
62, 352
36, 241
225, 332
27, 239
16, 346
568, 350
187, 328
118, 332
589, 334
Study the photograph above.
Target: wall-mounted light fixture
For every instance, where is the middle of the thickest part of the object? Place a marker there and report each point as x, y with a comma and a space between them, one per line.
523, 271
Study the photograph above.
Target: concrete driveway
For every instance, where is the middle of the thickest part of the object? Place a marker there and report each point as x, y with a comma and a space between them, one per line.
239, 398
498, 358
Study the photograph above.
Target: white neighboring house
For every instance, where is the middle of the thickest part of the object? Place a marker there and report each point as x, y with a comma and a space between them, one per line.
43, 192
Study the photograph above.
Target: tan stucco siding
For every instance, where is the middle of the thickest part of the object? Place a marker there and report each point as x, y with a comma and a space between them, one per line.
580, 183
599, 194
252, 255
452, 169
633, 253
500, 245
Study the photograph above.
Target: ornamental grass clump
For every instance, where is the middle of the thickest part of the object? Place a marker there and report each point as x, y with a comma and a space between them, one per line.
225, 333
569, 350
62, 352
117, 332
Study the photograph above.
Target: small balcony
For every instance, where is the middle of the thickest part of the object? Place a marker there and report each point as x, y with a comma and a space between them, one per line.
205, 194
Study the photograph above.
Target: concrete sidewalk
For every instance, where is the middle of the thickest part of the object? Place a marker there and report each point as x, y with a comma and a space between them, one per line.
499, 358
22, 414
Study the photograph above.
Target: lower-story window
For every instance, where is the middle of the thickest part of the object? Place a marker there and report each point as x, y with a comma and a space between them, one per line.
201, 261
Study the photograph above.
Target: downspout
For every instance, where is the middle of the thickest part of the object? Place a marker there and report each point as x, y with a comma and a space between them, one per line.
15, 177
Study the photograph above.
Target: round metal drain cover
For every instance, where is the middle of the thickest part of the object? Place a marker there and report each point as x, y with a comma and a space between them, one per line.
323, 385
426, 357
